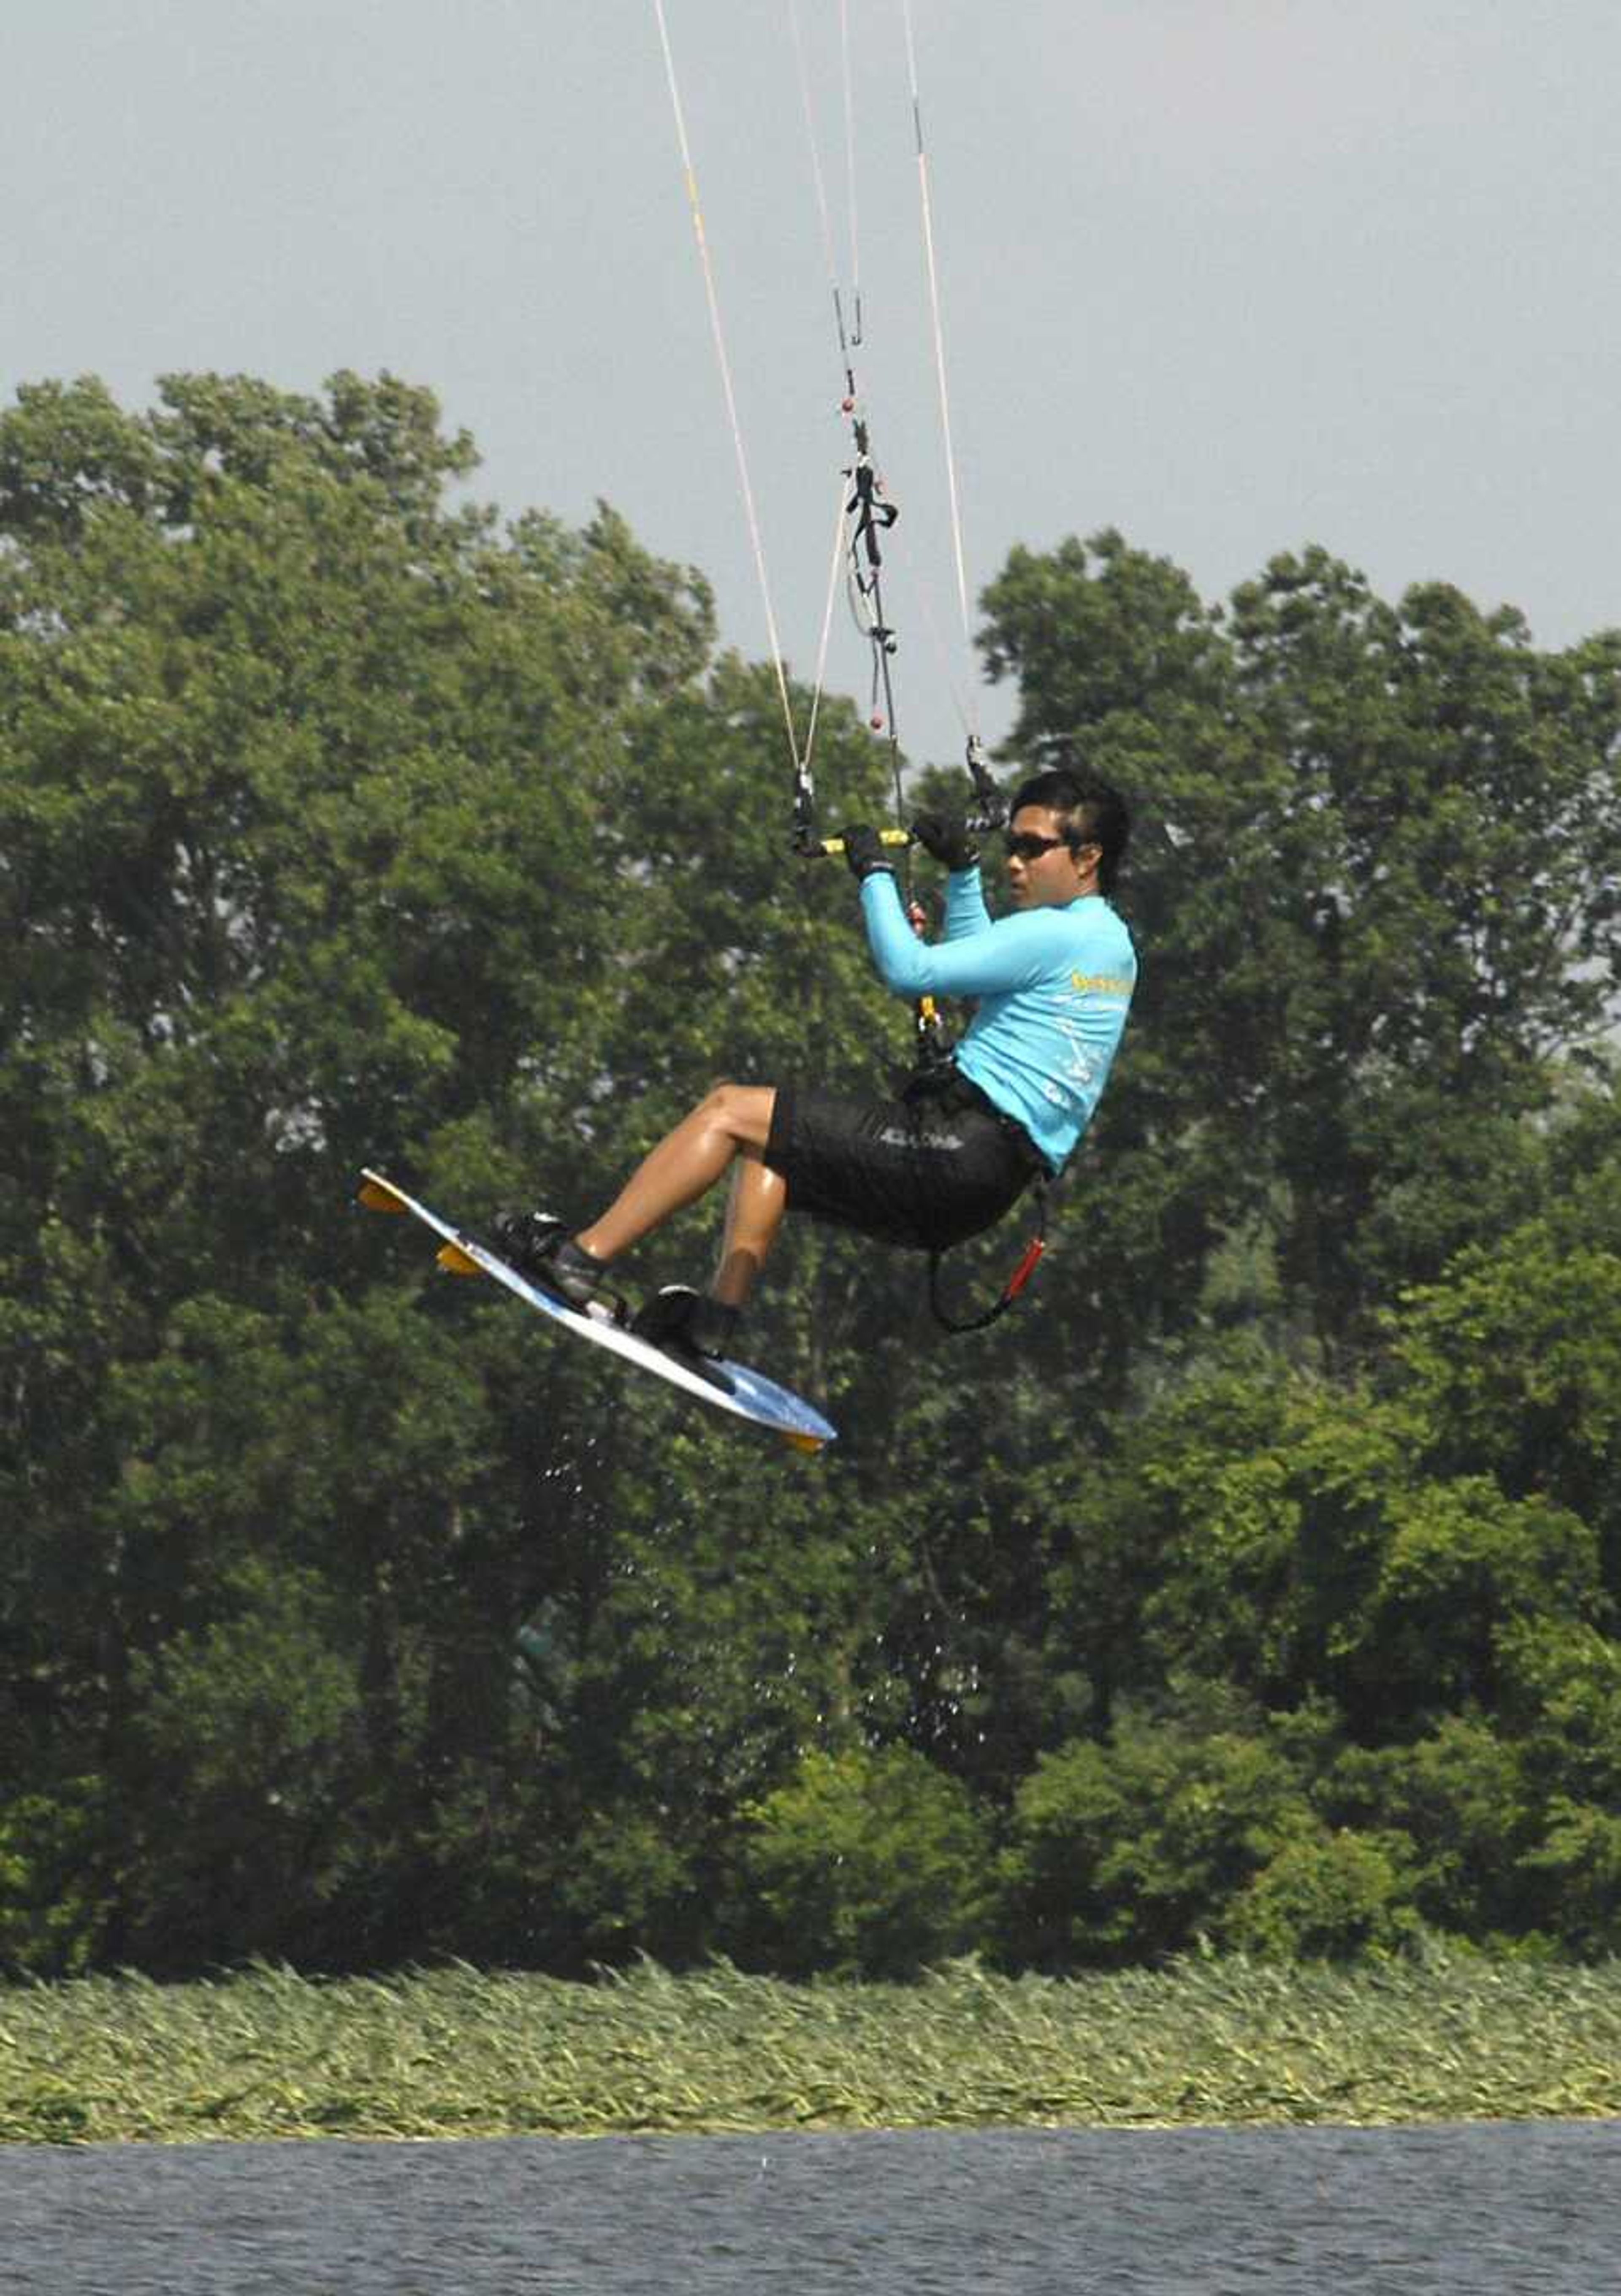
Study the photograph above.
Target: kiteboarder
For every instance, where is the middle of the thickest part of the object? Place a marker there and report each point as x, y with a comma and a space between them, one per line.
947, 1156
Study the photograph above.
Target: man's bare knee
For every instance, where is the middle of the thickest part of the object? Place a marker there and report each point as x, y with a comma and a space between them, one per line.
742, 1112
718, 1105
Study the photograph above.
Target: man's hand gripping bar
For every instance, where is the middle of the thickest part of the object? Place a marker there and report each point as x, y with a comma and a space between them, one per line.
834, 846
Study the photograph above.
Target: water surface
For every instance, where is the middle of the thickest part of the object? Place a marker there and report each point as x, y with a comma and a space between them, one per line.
1486, 2209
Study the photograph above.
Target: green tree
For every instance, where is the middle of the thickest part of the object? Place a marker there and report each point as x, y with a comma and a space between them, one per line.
348, 1615
1566, 1698
869, 1863
343, 826
243, 1727
1512, 1364
1130, 1849
1324, 1896
1460, 1802
300, 774
1374, 881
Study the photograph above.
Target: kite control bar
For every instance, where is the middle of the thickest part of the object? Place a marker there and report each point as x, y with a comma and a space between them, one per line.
820, 846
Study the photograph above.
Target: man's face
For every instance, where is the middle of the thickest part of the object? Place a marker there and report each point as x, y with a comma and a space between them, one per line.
1041, 869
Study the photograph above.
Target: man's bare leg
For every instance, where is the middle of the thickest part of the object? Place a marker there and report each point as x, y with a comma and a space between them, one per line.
754, 1214
733, 1119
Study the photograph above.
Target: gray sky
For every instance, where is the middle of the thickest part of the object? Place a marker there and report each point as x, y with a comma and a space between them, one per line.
1230, 274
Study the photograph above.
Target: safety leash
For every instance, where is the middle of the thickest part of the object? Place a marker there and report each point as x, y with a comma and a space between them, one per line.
1028, 1262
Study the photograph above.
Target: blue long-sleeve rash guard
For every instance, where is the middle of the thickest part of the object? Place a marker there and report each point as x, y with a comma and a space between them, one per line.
1053, 986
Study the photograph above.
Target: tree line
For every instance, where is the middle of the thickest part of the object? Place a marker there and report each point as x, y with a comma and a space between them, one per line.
1254, 1583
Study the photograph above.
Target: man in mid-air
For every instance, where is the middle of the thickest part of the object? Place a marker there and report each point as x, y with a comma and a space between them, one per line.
1052, 983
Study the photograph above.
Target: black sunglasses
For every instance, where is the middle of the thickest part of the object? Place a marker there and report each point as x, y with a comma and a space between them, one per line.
1024, 845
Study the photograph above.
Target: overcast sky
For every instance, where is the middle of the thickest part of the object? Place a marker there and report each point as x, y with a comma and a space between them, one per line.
1230, 275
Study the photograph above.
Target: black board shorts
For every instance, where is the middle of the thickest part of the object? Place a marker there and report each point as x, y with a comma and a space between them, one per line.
924, 1173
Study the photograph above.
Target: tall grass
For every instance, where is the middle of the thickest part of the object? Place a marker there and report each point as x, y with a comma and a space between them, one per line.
452, 2052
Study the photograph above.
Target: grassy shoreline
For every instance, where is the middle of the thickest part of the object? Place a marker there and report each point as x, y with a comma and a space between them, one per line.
458, 2052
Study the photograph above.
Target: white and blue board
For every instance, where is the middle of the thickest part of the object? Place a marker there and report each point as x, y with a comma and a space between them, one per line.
725, 1386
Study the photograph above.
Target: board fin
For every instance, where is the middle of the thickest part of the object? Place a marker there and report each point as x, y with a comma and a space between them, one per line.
455, 1261
377, 1196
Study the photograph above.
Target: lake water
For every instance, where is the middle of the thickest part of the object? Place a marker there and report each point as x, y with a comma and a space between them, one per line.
1473, 2210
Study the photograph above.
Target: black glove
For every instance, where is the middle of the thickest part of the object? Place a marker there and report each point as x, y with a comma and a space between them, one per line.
947, 840
864, 852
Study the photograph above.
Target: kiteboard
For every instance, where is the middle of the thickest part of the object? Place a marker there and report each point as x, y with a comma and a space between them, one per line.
726, 1386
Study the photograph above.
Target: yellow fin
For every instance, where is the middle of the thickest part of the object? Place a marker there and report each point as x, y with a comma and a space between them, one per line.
455, 1261
377, 1196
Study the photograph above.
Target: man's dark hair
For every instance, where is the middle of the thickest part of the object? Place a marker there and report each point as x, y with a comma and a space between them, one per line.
1090, 812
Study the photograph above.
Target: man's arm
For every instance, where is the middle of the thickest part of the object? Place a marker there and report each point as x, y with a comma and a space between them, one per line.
965, 910
1011, 953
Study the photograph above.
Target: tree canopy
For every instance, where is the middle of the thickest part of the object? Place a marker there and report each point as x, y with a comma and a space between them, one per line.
1256, 1581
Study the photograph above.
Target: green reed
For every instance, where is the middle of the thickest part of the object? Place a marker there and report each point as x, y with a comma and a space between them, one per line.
453, 2052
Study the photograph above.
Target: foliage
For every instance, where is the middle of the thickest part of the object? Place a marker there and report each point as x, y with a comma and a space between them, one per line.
455, 2053
869, 1863
1258, 1582
1376, 875
1131, 1848
1455, 1811
50, 1916
243, 1737
1324, 1896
